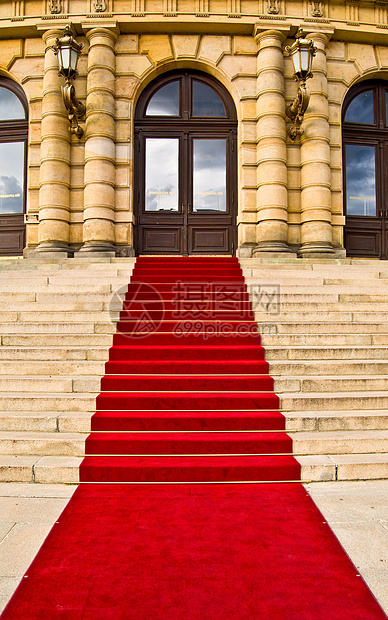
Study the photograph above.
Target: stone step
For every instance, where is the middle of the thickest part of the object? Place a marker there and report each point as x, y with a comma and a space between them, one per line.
318, 384
323, 309
316, 401
333, 367
340, 442
49, 340
36, 308
42, 469
34, 368
53, 354
44, 444
312, 340
65, 469
312, 353
352, 420
283, 327
343, 467
38, 402
45, 383
39, 285
46, 421
329, 383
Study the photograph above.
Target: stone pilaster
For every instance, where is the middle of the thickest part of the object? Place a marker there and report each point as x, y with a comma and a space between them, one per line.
272, 227
99, 194
54, 191
316, 229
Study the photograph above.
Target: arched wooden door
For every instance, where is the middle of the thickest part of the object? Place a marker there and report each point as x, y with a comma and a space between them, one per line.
365, 152
13, 149
185, 167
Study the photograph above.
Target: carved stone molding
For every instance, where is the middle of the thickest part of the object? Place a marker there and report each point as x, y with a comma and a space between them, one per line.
317, 9
55, 6
273, 7
99, 6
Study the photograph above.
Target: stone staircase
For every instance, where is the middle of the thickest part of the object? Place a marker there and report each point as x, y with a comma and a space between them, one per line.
325, 332
57, 319
324, 326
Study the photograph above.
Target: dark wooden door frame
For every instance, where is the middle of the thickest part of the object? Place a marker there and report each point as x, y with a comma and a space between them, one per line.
12, 226
367, 236
186, 227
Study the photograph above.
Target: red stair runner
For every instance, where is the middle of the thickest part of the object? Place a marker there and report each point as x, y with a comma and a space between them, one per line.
200, 334
187, 399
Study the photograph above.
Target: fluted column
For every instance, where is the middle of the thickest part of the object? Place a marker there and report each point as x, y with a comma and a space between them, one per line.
99, 194
272, 227
54, 191
316, 229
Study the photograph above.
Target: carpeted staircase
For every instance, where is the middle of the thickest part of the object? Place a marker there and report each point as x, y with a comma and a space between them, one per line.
187, 396
323, 325
176, 407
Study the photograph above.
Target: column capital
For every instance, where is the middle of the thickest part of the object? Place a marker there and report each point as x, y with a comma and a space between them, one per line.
276, 36
319, 38
48, 35
108, 34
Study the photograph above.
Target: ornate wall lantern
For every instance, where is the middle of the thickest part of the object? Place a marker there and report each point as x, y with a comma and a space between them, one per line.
302, 52
68, 50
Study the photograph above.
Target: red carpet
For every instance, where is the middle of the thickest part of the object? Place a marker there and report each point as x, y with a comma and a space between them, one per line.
187, 399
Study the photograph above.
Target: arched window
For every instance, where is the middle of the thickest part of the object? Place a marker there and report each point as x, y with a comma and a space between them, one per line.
185, 168
13, 149
365, 153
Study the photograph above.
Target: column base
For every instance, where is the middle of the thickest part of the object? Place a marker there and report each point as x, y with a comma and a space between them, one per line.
316, 250
273, 249
98, 248
53, 249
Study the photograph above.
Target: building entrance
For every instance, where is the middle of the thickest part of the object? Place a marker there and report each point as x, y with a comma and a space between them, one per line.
365, 146
185, 168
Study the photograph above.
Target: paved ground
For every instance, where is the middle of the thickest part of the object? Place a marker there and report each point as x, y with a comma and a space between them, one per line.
356, 511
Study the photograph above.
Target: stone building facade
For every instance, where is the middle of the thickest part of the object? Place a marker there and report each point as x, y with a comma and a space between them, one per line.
282, 196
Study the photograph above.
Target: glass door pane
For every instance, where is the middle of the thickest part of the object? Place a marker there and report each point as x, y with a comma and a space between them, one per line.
209, 175
360, 180
11, 177
162, 174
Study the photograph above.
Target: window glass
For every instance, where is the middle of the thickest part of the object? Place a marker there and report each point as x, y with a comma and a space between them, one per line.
206, 102
165, 101
10, 106
361, 109
360, 180
162, 169
11, 177
209, 180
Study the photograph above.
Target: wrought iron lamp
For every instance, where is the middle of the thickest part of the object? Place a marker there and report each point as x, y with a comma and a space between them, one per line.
302, 52
68, 50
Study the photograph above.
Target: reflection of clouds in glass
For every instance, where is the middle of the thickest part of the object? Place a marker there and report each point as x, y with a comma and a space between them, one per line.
209, 175
361, 109
165, 102
162, 174
11, 177
206, 102
360, 180
10, 106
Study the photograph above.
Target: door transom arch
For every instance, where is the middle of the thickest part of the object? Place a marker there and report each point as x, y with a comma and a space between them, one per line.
185, 167
365, 165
